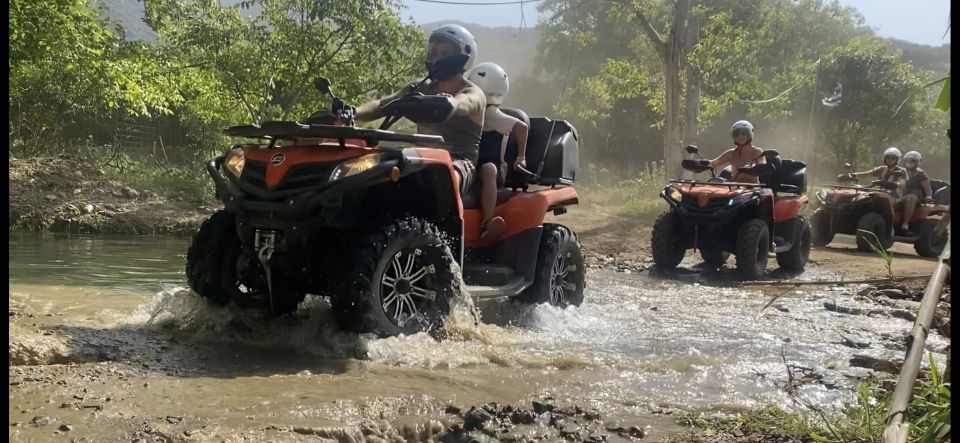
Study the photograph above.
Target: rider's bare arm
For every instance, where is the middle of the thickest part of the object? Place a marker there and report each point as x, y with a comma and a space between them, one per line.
371, 110
722, 159
873, 171
520, 128
470, 101
927, 190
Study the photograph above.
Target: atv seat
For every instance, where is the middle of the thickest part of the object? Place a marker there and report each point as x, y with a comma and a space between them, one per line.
552, 151
471, 199
941, 191
789, 176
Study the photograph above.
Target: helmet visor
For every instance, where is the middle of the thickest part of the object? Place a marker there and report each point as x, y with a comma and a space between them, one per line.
738, 132
891, 157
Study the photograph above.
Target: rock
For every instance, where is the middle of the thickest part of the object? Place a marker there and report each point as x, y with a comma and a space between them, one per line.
541, 408
509, 437
903, 314
475, 419
101, 172
567, 411
41, 421
590, 414
32, 181
117, 193
88, 208
854, 344
571, 432
522, 417
50, 197
452, 410
77, 191
148, 193
896, 294
877, 364
636, 432
596, 438
65, 427
174, 420
130, 192
489, 429
780, 307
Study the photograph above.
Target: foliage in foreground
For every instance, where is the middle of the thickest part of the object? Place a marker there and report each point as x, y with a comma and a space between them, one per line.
861, 422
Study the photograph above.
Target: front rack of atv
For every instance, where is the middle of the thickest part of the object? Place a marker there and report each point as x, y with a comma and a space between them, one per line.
289, 130
730, 184
854, 187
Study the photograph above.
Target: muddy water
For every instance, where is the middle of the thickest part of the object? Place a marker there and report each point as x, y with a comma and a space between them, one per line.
106, 338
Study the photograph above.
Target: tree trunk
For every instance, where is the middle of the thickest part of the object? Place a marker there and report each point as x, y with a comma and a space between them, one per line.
691, 130
671, 133
672, 51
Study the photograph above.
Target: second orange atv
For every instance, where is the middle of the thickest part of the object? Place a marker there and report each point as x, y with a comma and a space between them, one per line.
719, 217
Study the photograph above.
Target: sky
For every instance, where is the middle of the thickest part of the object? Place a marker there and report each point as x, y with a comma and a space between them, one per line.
917, 21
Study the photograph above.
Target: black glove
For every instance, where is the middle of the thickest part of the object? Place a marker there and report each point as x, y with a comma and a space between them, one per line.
847, 176
704, 162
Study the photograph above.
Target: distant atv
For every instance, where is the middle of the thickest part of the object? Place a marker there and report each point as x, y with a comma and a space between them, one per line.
853, 209
720, 217
372, 220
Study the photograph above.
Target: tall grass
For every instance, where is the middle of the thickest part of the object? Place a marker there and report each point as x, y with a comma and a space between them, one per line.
638, 195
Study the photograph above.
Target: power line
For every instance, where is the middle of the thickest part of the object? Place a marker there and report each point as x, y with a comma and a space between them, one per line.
444, 2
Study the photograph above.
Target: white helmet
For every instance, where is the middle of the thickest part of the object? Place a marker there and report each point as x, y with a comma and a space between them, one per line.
492, 80
461, 38
743, 125
912, 155
891, 151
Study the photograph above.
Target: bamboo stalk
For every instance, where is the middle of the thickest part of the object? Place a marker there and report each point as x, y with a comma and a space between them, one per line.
833, 282
896, 426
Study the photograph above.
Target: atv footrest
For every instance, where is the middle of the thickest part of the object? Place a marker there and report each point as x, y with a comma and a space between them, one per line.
487, 275
487, 281
514, 287
905, 239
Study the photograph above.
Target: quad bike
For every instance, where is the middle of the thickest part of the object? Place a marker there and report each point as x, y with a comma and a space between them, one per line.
720, 217
373, 220
858, 210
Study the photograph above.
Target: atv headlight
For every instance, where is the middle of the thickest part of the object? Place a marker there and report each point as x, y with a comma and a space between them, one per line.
235, 161
742, 198
355, 166
674, 194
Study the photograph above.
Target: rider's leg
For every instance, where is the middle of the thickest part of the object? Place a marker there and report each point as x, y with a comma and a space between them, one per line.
909, 205
492, 226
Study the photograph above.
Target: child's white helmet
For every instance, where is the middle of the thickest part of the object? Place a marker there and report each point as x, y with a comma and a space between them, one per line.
492, 79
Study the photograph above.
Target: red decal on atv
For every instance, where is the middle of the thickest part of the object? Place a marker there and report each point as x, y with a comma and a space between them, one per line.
703, 199
278, 167
785, 208
440, 156
524, 210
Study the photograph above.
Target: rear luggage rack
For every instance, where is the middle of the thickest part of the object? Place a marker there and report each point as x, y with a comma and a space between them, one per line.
730, 184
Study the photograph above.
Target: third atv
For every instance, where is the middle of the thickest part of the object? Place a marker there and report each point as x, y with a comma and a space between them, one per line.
720, 217
856, 210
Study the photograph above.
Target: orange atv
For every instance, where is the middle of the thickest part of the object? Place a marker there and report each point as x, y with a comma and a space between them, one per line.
720, 217
857, 210
373, 220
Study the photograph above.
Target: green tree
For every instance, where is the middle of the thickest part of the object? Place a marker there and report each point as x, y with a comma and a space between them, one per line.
68, 67
264, 63
875, 82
